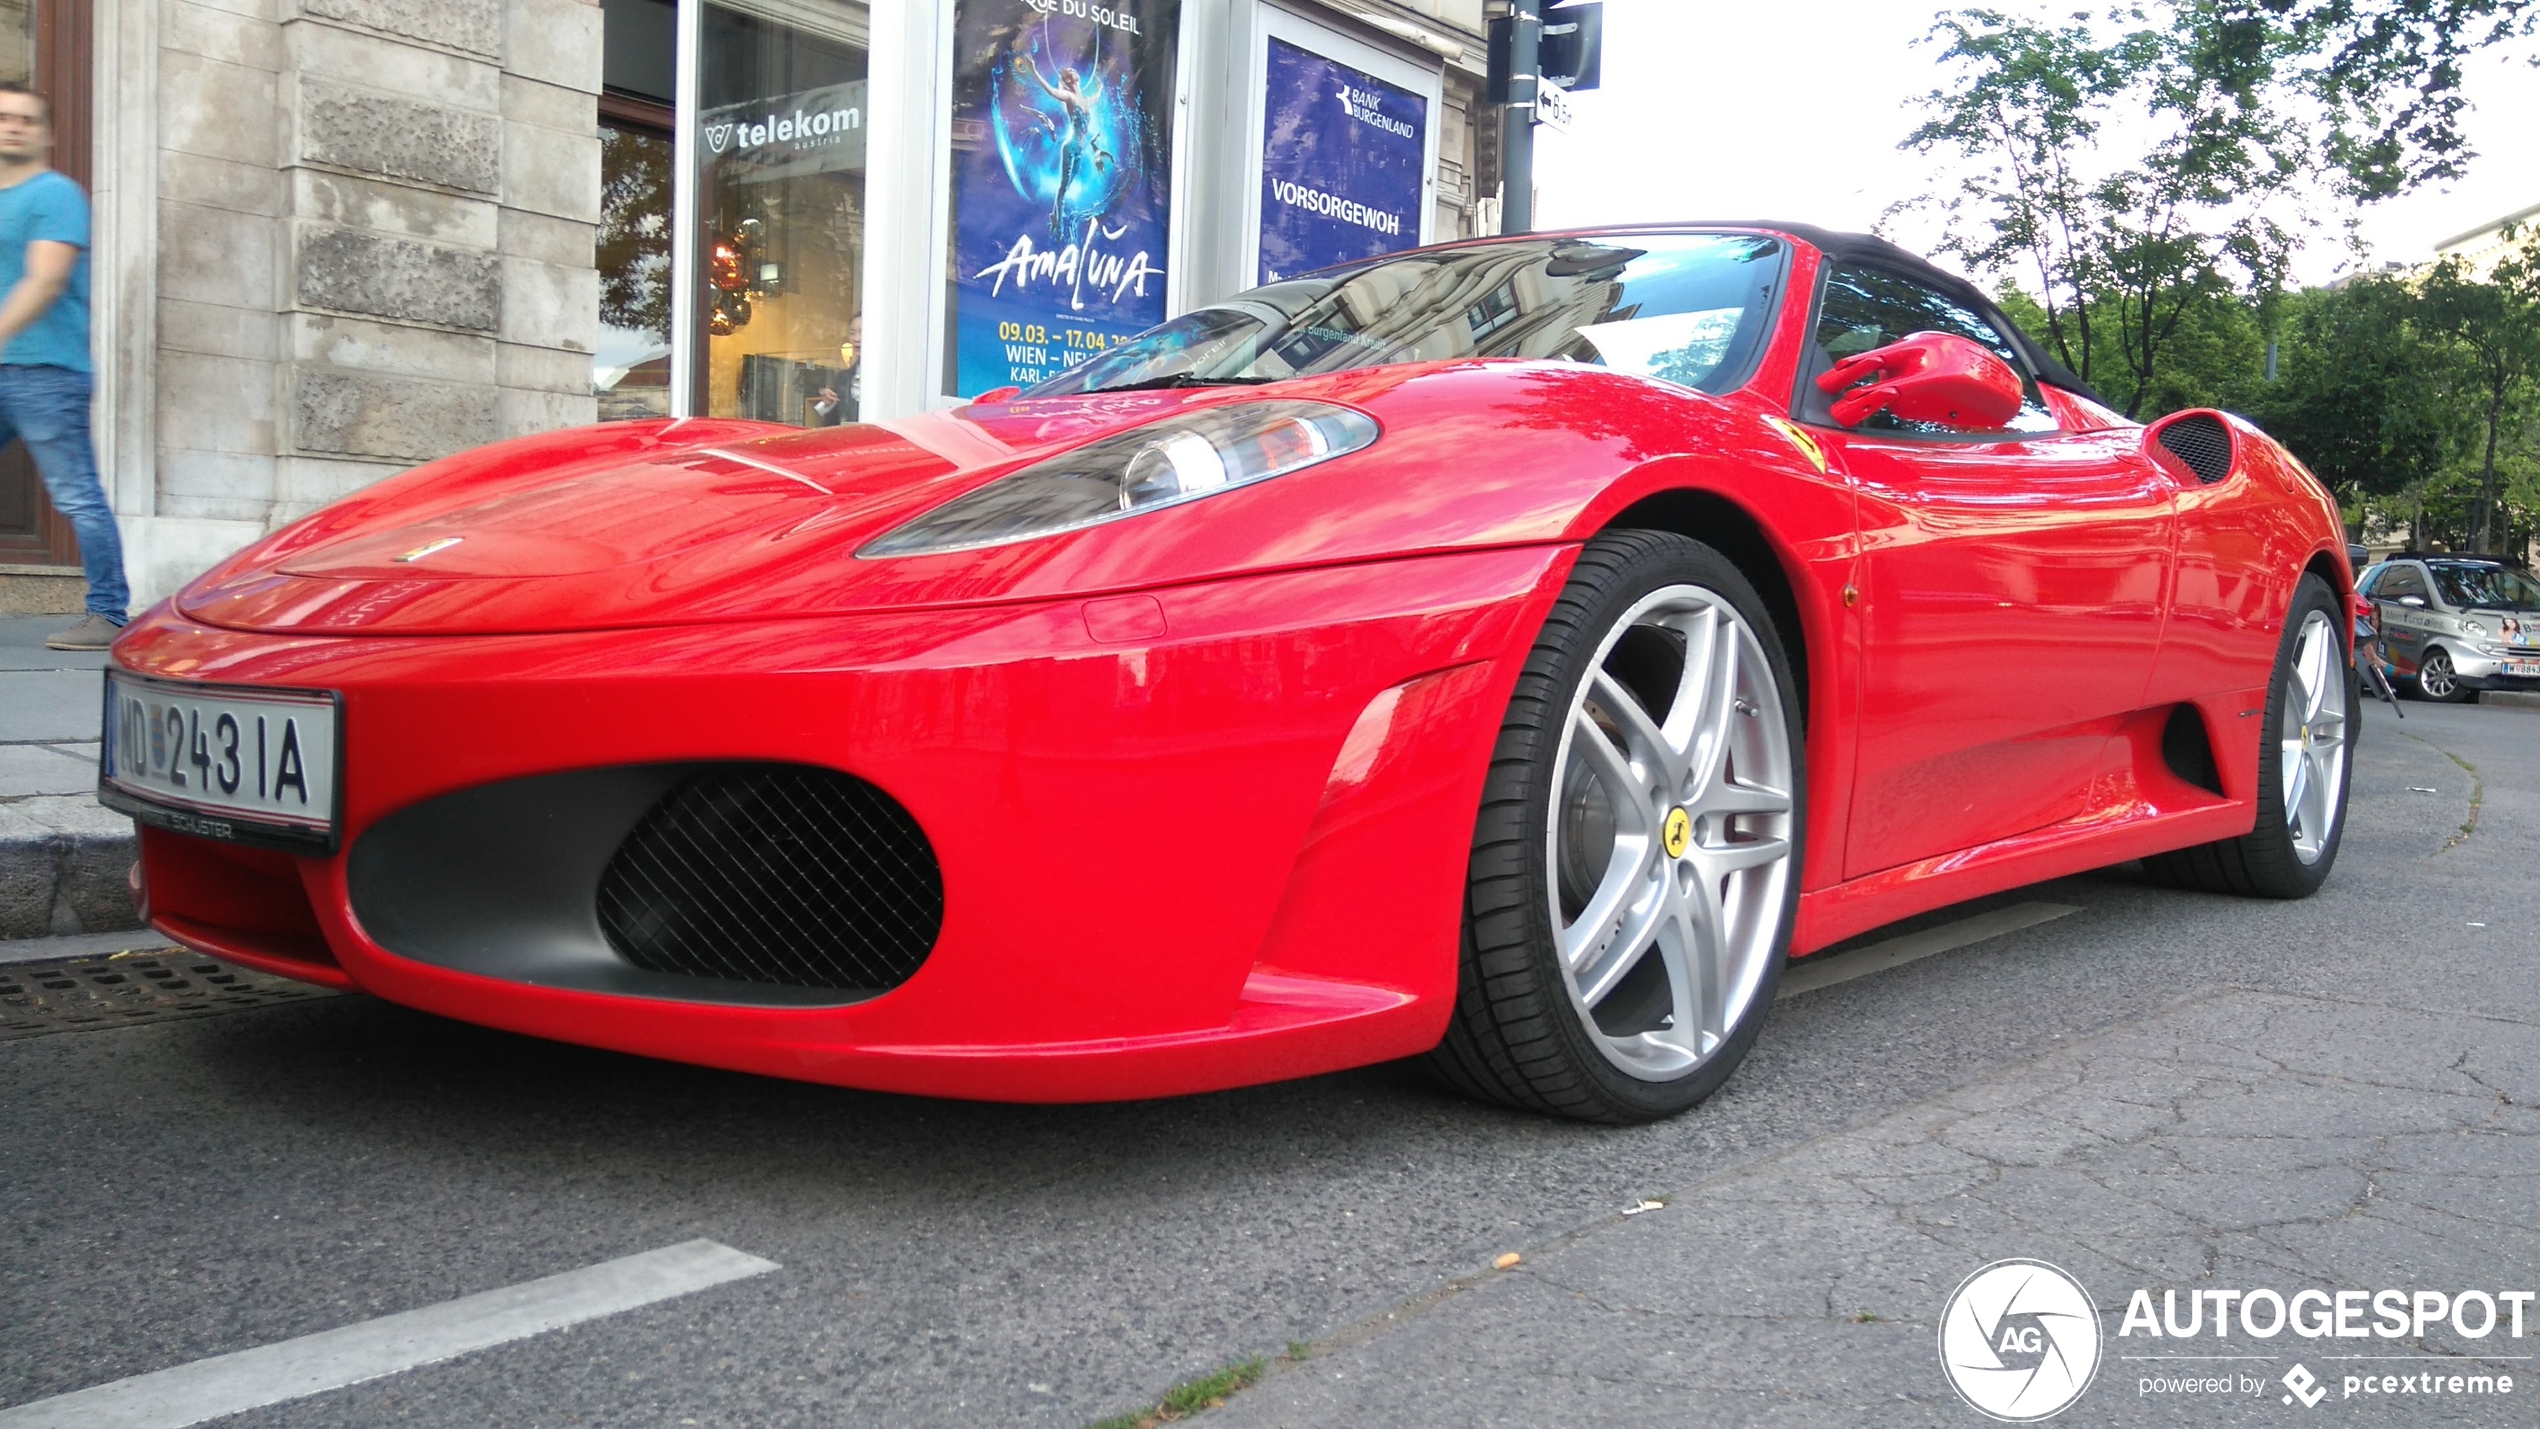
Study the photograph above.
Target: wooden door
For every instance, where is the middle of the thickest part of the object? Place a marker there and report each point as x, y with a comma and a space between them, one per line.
45, 43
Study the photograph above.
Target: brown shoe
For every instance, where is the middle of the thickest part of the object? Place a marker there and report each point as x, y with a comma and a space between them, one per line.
94, 633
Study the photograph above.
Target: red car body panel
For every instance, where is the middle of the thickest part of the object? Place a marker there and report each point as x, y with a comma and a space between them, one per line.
1202, 783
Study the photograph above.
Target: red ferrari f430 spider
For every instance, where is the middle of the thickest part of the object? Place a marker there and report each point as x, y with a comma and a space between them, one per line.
1508, 653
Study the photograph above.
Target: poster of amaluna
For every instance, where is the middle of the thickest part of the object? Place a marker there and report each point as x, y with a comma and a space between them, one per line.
1062, 176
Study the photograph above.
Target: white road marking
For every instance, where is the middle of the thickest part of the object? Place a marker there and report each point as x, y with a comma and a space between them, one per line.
391, 1344
1812, 974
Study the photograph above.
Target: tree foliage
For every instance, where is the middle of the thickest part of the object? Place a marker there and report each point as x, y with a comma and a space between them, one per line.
633, 244
2120, 250
2388, 73
2416, 397
2363, 397
2142, 165
2494, 327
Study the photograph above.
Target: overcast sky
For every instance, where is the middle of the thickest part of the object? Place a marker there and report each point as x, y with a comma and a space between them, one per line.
1714, 110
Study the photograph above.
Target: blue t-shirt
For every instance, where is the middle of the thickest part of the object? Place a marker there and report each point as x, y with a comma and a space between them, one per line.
47, 208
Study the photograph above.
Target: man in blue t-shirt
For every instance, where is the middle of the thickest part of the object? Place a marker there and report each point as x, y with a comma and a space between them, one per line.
44, 373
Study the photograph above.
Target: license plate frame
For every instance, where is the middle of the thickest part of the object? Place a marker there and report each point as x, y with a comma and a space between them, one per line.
2523, 669
171, 798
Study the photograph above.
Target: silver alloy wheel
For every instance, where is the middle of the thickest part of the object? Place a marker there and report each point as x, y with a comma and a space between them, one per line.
2313, 736
2434, 674
1669, 836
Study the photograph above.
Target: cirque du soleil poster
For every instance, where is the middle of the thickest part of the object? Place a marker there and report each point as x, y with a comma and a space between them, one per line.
1062, 168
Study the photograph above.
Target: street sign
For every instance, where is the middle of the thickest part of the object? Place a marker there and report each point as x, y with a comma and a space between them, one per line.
1573, 53
1552, 107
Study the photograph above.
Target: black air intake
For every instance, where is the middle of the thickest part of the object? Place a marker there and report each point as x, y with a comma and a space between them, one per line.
2202, 442
776, 873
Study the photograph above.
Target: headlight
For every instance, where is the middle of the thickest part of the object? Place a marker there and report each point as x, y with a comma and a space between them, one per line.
1161, 464
2473, 630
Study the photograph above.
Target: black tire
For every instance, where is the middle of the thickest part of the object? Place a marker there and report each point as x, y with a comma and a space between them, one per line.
1517, 1036
2438, 662
2266, 862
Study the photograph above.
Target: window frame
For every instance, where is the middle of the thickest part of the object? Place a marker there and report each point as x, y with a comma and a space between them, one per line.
2411, 570
1811, 407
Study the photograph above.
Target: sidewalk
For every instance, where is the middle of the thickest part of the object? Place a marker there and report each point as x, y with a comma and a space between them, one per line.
63, 858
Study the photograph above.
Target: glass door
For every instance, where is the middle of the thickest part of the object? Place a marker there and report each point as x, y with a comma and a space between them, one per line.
780, 145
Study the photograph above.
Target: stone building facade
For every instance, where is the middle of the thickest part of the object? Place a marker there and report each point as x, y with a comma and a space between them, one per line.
347, 236
337, 238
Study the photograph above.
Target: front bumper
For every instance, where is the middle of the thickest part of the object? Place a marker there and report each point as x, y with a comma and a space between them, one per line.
2479, 671
1227, 851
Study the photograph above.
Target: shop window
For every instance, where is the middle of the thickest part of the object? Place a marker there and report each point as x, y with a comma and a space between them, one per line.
780, 147
630, 370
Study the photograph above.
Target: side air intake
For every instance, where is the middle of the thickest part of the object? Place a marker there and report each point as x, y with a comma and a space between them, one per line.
776, 873
2202, 442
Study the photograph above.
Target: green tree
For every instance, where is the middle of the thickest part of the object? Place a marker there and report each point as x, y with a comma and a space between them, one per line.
2144, 165
2122, 248
2388, 74
2362, 396
2496, 325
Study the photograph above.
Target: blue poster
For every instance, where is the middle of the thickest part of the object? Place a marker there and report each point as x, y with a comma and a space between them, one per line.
1342, 164
1062, 169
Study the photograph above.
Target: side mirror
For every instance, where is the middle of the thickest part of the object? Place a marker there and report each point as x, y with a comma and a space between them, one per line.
1934, 377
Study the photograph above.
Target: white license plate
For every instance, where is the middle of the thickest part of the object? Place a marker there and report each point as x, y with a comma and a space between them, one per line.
2530, 668
223, 761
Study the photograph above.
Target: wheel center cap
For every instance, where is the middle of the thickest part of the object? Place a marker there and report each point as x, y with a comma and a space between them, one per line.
1677, 832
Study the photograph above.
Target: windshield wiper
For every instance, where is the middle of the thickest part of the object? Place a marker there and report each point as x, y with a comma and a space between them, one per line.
1182, 379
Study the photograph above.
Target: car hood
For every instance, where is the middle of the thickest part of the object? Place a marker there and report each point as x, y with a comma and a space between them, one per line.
654, 523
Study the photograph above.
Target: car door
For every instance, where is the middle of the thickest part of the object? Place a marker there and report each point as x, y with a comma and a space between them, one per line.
2400, 600
2012, 594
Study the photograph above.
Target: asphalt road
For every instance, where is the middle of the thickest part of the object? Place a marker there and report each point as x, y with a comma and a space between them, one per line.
186, 1189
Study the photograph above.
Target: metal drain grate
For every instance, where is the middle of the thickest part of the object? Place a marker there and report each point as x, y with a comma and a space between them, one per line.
120, 989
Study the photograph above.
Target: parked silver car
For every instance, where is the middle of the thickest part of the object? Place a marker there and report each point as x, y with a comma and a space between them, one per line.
2453, 626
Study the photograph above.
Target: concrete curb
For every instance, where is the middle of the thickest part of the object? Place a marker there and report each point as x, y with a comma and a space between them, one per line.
63, 865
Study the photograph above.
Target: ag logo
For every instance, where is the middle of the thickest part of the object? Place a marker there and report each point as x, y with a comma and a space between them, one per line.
2019, 1340
718, 135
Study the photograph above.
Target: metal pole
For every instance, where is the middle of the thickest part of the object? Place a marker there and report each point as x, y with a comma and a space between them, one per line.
1517, 143
688, 70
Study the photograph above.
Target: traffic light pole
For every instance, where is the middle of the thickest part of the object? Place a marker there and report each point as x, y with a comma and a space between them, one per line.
1517, 137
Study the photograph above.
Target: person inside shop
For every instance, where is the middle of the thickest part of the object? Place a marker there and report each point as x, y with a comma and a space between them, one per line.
828, 409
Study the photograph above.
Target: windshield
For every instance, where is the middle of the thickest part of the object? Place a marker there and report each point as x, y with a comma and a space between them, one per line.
2486, 588
1690, 308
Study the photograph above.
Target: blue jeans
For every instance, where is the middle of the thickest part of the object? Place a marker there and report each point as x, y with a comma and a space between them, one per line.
48, 407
